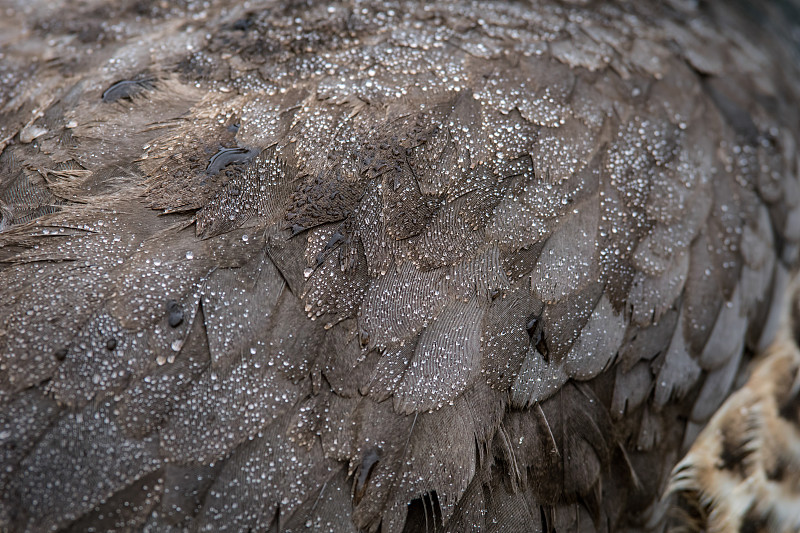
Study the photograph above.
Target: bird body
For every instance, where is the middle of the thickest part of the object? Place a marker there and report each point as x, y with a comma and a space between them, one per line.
384, 267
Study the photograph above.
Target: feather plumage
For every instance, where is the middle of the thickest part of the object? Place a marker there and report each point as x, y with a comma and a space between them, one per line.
441, 268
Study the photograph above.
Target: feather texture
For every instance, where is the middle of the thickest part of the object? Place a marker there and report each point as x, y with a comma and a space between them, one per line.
451, 267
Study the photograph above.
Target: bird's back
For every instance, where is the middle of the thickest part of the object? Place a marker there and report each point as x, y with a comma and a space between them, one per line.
414, 267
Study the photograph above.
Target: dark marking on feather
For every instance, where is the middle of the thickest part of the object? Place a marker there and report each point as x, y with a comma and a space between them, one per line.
242, 24
753, 524
174, 313
368, 464
790, 410
534, 328
229, 156
125, 89
336, 238
733, 454
777, 472
363, 339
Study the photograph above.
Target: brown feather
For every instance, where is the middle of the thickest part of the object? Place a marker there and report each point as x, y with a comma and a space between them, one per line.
448, 267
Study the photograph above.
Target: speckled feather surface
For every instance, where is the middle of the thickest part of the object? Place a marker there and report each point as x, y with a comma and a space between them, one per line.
381, 266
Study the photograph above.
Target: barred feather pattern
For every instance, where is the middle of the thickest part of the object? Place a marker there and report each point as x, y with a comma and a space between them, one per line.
743, 471
381, 266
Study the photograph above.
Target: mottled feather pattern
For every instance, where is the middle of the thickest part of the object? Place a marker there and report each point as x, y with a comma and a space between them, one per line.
742, 472
392, 267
